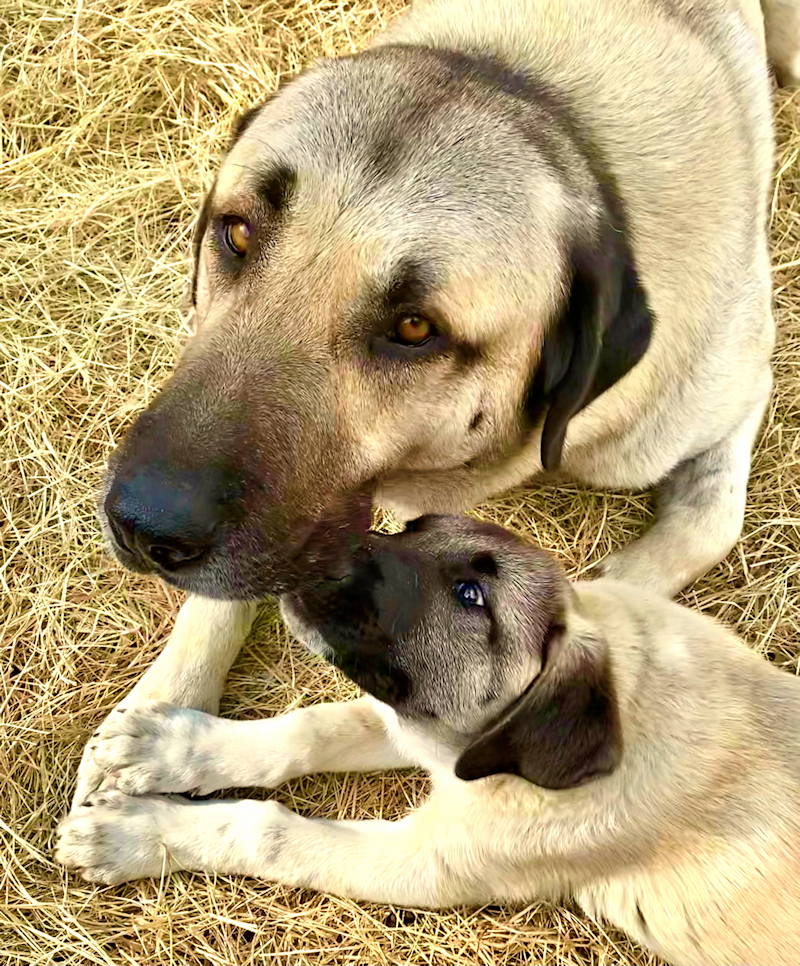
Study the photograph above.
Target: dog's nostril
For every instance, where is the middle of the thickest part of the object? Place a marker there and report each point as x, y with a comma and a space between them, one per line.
174, 557
122, 534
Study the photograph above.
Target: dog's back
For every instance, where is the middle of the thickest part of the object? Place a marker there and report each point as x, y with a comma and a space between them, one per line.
691, 79
687, 904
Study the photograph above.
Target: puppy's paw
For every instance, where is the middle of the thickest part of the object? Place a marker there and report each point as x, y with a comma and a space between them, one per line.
114, 838
636, 564
157, 747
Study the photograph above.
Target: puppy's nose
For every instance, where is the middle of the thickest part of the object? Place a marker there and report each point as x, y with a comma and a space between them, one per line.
167, 519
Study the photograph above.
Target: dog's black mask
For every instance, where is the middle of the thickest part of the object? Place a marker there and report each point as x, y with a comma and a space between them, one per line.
361, 615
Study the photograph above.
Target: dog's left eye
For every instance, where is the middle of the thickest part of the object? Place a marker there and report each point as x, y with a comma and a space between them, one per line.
469, 594
413, 330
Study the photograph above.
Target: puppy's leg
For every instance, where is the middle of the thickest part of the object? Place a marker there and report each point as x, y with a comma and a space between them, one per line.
190, 671
163, 748
120, 838
782, 29
699, 518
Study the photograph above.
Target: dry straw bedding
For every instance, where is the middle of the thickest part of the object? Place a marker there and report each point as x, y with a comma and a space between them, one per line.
112, 116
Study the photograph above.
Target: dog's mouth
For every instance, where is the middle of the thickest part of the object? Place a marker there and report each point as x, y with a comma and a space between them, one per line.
251, 557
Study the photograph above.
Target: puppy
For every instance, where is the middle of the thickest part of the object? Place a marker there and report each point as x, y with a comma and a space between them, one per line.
586, 740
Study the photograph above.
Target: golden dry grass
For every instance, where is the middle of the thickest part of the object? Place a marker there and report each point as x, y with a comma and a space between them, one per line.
112, 115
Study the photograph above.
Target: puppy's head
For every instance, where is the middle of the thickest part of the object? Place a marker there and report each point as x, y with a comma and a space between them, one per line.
462, 623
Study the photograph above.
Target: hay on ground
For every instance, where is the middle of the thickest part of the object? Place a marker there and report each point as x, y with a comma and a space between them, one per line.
112, 116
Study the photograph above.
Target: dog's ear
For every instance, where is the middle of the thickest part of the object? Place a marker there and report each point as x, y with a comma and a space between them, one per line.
243, 121
603, 332
200, 228
561, 732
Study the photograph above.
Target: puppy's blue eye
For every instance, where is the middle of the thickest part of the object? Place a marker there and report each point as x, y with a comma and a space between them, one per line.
469, 594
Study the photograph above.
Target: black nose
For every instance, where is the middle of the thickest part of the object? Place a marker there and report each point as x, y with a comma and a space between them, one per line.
166, 517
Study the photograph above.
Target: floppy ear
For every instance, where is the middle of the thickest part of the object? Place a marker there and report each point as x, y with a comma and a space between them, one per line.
604, 331
243, 121
561, 732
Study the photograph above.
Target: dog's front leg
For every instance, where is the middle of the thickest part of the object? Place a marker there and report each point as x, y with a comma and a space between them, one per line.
157, 747
699, 517
190, 671
120, 838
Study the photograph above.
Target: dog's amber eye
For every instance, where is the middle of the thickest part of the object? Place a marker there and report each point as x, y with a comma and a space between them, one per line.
237, 237
413, 330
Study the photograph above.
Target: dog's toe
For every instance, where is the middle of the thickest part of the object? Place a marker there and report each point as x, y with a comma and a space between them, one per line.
135, 721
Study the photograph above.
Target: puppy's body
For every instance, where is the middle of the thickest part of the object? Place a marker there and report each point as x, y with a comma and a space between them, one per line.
589, 741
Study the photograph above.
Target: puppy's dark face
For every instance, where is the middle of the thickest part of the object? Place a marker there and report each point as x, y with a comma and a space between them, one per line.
462, 623
446, 620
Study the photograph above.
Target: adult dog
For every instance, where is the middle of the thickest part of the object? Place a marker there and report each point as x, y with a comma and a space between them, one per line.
512, 238
590, 740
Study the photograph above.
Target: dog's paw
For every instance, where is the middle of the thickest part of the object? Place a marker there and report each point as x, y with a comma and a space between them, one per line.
114, 838
637, 564
157, 747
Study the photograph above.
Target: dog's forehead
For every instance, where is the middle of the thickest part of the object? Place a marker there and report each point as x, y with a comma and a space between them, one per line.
383, 173
460, 539
373, 127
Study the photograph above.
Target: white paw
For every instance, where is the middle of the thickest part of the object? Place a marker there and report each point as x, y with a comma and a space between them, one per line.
157, 747
114, 838
90, 775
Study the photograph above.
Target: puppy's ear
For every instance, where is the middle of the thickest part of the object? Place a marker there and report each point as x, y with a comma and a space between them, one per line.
604, 331
562, 732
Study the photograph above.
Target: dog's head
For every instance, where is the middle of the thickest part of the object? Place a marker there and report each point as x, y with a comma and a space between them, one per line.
406, 263
462, 624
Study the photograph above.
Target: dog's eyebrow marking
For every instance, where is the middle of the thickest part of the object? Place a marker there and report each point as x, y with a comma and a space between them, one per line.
409, 286
276, 186
383, 155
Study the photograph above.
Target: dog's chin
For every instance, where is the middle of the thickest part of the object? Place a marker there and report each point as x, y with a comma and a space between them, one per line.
215, 578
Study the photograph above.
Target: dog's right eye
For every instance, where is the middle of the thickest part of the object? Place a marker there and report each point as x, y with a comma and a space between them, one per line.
237, 235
